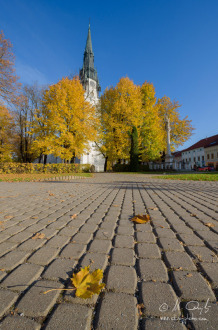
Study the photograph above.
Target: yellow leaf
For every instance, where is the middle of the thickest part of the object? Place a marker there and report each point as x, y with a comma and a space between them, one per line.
87, 283
209, 224
38, 236
141, 218
189, 275
73, 216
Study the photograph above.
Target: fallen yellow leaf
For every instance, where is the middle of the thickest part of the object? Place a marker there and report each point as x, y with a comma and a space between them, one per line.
87, 283
38, 236
73, 216
209, 224
189, 275
141, 218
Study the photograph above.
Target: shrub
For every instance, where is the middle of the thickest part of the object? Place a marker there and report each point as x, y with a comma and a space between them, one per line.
17, 168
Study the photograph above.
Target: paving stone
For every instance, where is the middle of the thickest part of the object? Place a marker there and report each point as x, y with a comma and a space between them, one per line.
121, 279
76, 223
58, 241
159, 299
118, 311
31, 244
208, 235
20, 237
191, 240
125, 223
125, 231
6, 247
209, 314
43, 256
153, 269
70, 316
100, 246
83, 238
35, 228
123, 256
95, 260
35, 303
163, 232
19, 322
105, 234
68, 231
59, 270
3, 237
73, 251
188, 286
203, 253
22, 277
176, 260
88, 228
148, 250
13, 230
170, 244
124, 241
8, 298
2, 274
143, 227
13, 259
49, 233
211, 270
183, 229
156, 324
145, 237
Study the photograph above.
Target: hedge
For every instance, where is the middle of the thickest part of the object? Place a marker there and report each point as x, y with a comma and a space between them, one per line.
41, 168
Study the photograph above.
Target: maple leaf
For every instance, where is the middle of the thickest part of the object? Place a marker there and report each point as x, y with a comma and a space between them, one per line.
87, 283
141, 218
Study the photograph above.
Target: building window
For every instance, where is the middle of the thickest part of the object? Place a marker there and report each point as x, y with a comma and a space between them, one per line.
208, 156
202, 158
189, 159
194, 159
212, 156
199, 158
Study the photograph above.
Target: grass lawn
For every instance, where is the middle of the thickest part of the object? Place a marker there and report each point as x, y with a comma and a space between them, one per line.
190, 176
37, 177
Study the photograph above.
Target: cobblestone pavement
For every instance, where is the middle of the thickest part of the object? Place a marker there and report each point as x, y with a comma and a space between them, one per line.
155, 273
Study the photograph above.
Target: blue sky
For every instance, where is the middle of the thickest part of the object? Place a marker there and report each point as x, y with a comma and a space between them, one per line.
171, 43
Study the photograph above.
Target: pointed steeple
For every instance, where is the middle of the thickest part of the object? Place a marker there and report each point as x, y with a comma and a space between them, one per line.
88, 48
88, 70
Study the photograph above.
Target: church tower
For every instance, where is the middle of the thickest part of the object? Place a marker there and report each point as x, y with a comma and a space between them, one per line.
88, 74
89, 79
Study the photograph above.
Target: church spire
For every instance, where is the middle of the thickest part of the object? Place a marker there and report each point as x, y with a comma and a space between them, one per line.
88, 48
88, 71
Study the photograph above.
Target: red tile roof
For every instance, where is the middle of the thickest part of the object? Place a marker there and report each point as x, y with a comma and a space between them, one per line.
203, 143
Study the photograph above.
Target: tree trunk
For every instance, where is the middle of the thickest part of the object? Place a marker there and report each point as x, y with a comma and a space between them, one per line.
105, 164
45, 159
134, 151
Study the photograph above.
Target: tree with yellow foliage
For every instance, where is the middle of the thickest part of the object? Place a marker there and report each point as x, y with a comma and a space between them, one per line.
180, 129
6, 134
127, 106
66, 122
120, 110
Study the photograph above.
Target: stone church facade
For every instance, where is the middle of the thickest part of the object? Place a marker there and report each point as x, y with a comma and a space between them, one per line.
89, 79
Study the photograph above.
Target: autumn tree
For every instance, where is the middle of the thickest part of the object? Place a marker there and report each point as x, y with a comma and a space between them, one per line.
6, 134
181, 129
8, 79
152, 135
134, 150
120, 110
66, 122
29, 102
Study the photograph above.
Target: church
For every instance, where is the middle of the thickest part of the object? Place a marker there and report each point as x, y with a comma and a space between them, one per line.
89, 79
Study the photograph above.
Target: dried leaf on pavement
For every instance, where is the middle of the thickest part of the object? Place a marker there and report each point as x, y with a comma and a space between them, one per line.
209, 224
141, 218
38, 236
73, 216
